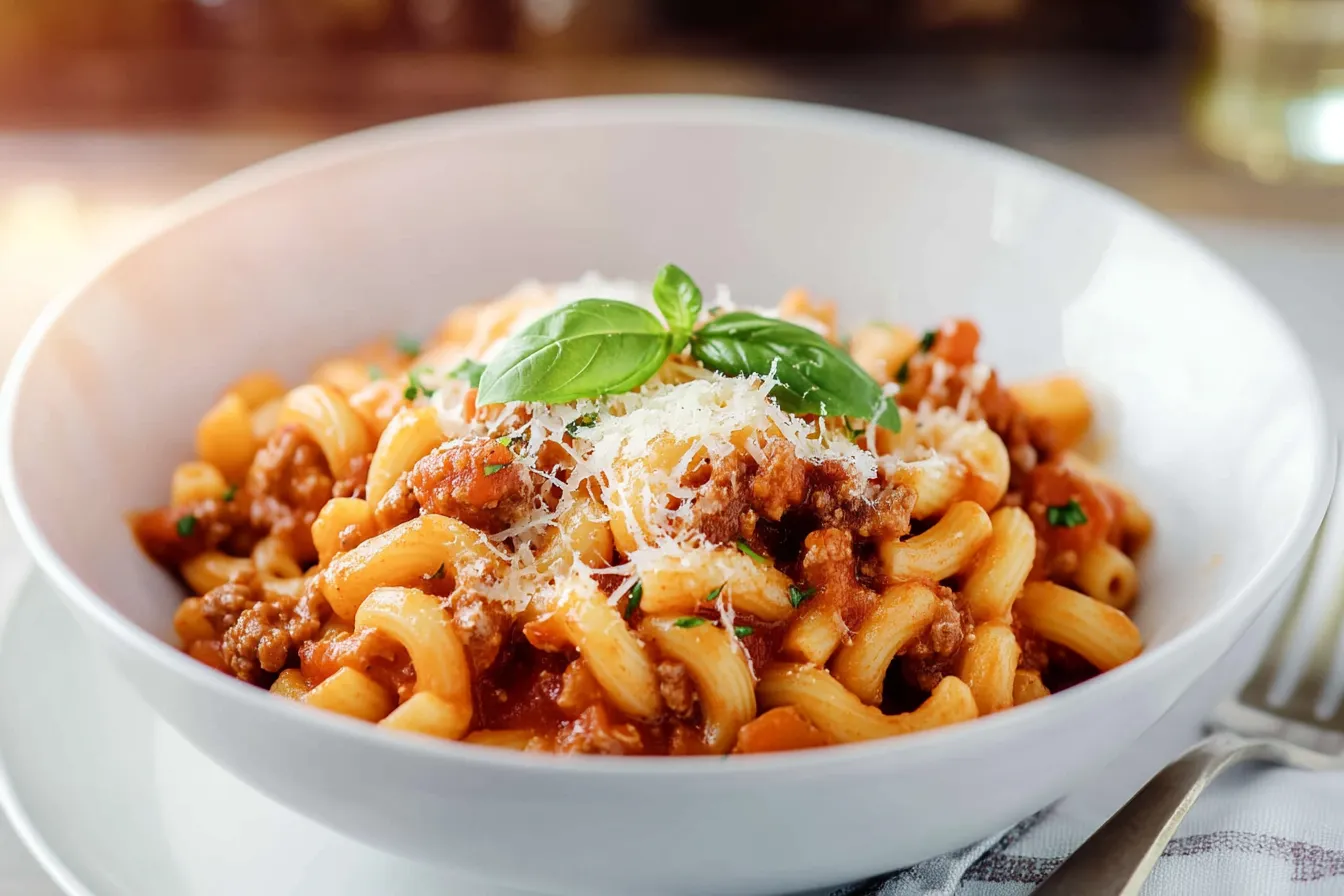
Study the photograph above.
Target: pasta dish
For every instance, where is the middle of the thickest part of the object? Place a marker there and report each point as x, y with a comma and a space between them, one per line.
652, 523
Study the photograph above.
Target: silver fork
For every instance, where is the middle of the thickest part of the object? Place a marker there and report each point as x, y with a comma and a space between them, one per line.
1288, 713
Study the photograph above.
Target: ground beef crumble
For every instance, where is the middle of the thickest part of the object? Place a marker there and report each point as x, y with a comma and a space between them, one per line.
288, 484
259, 634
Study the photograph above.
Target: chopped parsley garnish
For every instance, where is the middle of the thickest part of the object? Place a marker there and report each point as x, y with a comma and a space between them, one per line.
438, 573
714, 595
186, 525
506, 441
636, 595
408, 345
230, 493
689, 622
375, 373
1066, 516
469, 371
926, 341
588, 419
903, 372
492, 469
746, 549
798, 595
742, 630
416, 385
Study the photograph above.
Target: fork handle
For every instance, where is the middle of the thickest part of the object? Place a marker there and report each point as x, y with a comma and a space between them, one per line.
1117, 859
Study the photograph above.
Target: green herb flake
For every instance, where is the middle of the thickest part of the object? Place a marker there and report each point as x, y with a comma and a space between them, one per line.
506, 441
583, 422
714, 595
688, 622
375, 373
636, 595
408, 345
492, 469
417, 385
230, 493
186, 525
742, 630
927, 340
468, 371
438, 573
903, 373
1066, 516
746, 549
798, 595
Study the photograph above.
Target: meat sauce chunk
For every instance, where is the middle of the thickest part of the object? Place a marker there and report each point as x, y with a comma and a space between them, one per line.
476, 480
289, 483
259, 636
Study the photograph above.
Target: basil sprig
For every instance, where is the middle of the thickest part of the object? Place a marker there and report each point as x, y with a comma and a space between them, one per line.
596, 347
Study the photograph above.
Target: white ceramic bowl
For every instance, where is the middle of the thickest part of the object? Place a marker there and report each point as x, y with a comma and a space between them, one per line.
1207, 403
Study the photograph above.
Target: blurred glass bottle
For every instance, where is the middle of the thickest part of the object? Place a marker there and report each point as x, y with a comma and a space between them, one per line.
1270, 95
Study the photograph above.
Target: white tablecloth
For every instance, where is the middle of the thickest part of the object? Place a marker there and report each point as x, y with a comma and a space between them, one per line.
1298, 268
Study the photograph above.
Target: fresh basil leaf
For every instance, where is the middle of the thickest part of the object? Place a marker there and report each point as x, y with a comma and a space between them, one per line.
589, 348
814, 376
469, 371
680, 300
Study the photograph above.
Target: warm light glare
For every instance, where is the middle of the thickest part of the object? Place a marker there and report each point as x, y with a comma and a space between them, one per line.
49, 240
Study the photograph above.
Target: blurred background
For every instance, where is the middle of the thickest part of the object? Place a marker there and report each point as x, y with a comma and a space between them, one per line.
1225, 109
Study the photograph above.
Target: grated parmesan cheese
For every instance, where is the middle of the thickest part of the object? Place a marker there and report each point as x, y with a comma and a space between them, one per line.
687, 413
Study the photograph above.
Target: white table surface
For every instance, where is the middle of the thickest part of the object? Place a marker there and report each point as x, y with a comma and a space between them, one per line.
1298, 268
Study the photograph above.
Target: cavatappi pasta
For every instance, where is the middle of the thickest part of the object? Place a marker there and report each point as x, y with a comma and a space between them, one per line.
680, 569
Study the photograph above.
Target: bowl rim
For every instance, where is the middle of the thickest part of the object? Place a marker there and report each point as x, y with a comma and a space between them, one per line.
685, 109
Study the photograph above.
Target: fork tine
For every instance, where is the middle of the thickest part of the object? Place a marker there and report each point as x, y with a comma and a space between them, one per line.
1297, 677
1330, 575
1287, 639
